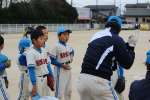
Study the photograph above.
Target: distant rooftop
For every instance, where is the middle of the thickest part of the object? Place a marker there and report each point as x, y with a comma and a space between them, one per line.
101, 7
142, 10
138, 5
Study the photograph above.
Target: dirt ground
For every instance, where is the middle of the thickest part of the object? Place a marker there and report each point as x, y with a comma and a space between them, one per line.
78, 40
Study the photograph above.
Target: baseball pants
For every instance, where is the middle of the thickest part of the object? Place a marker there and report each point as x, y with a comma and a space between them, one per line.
3, 92
95, 88
63, 83
24, 87
42, 88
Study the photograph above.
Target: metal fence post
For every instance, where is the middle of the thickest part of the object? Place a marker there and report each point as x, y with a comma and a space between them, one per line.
16, 29
1, 28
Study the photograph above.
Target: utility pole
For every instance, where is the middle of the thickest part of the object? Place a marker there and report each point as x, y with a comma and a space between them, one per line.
115, 2
71, 2
96, 9
120, 7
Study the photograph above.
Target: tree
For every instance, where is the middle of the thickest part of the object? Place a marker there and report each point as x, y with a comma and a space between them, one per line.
43, 11
1, 2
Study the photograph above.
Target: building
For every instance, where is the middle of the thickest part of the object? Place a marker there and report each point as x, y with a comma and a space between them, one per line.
84, 14
99, 11
137, 13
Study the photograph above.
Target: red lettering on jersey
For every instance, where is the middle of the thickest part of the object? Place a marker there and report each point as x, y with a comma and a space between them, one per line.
45, 61
64, 54
41, 62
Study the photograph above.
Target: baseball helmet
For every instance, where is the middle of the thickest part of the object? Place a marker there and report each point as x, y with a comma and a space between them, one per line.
24, 43
61, 29
115, 19
3, 58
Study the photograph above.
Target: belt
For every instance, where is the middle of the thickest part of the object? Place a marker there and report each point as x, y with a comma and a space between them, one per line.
68, 62
26, 71
98, 74
43, 76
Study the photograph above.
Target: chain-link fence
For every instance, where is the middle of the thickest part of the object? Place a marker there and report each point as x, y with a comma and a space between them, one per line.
19, 28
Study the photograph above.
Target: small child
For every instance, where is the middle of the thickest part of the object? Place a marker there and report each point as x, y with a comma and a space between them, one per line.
24, 45
38, 63
44, 30
4, 63
62, 56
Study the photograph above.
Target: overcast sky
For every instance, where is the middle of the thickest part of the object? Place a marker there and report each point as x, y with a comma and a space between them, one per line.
81, 3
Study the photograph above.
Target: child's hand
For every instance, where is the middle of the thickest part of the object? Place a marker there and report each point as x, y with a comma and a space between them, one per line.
34, 90
66, 67
6, 82
8, 63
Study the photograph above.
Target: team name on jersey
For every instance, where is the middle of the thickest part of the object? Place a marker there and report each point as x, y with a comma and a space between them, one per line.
41, 62
64, 54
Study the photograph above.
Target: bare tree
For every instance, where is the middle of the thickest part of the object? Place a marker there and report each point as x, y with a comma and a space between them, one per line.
11, 1
1, 3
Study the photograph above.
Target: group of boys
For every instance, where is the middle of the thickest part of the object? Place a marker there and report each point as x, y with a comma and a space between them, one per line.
94, 83
35, 60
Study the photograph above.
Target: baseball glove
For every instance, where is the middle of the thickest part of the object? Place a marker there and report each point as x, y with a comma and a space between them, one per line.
120, 85
8, 63
6, 82
50, 82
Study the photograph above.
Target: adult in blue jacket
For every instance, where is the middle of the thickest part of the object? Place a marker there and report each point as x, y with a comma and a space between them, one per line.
94, 80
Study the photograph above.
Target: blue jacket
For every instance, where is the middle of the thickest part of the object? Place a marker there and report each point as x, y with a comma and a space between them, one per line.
103, 47
140, 89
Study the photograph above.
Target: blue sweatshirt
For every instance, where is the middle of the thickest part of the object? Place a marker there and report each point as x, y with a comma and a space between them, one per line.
102, 48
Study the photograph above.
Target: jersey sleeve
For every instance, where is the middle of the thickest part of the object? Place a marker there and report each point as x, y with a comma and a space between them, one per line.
54, 52
53, 57
71, 51
30, 59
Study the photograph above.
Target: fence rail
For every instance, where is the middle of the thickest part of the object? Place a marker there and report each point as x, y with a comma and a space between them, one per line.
19, 28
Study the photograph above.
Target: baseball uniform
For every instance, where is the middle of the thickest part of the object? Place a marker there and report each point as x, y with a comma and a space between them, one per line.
63, 53
38, 59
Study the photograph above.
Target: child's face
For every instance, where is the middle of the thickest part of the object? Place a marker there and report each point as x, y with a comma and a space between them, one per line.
64, 37
39, 42
45, 32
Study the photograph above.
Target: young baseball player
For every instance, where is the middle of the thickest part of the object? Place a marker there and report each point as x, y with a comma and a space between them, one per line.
24, 45
44, 30
4, 63
39, 68
28, 31
62, 56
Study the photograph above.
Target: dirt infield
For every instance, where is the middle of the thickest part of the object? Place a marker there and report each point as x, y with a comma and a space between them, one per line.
79, 41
